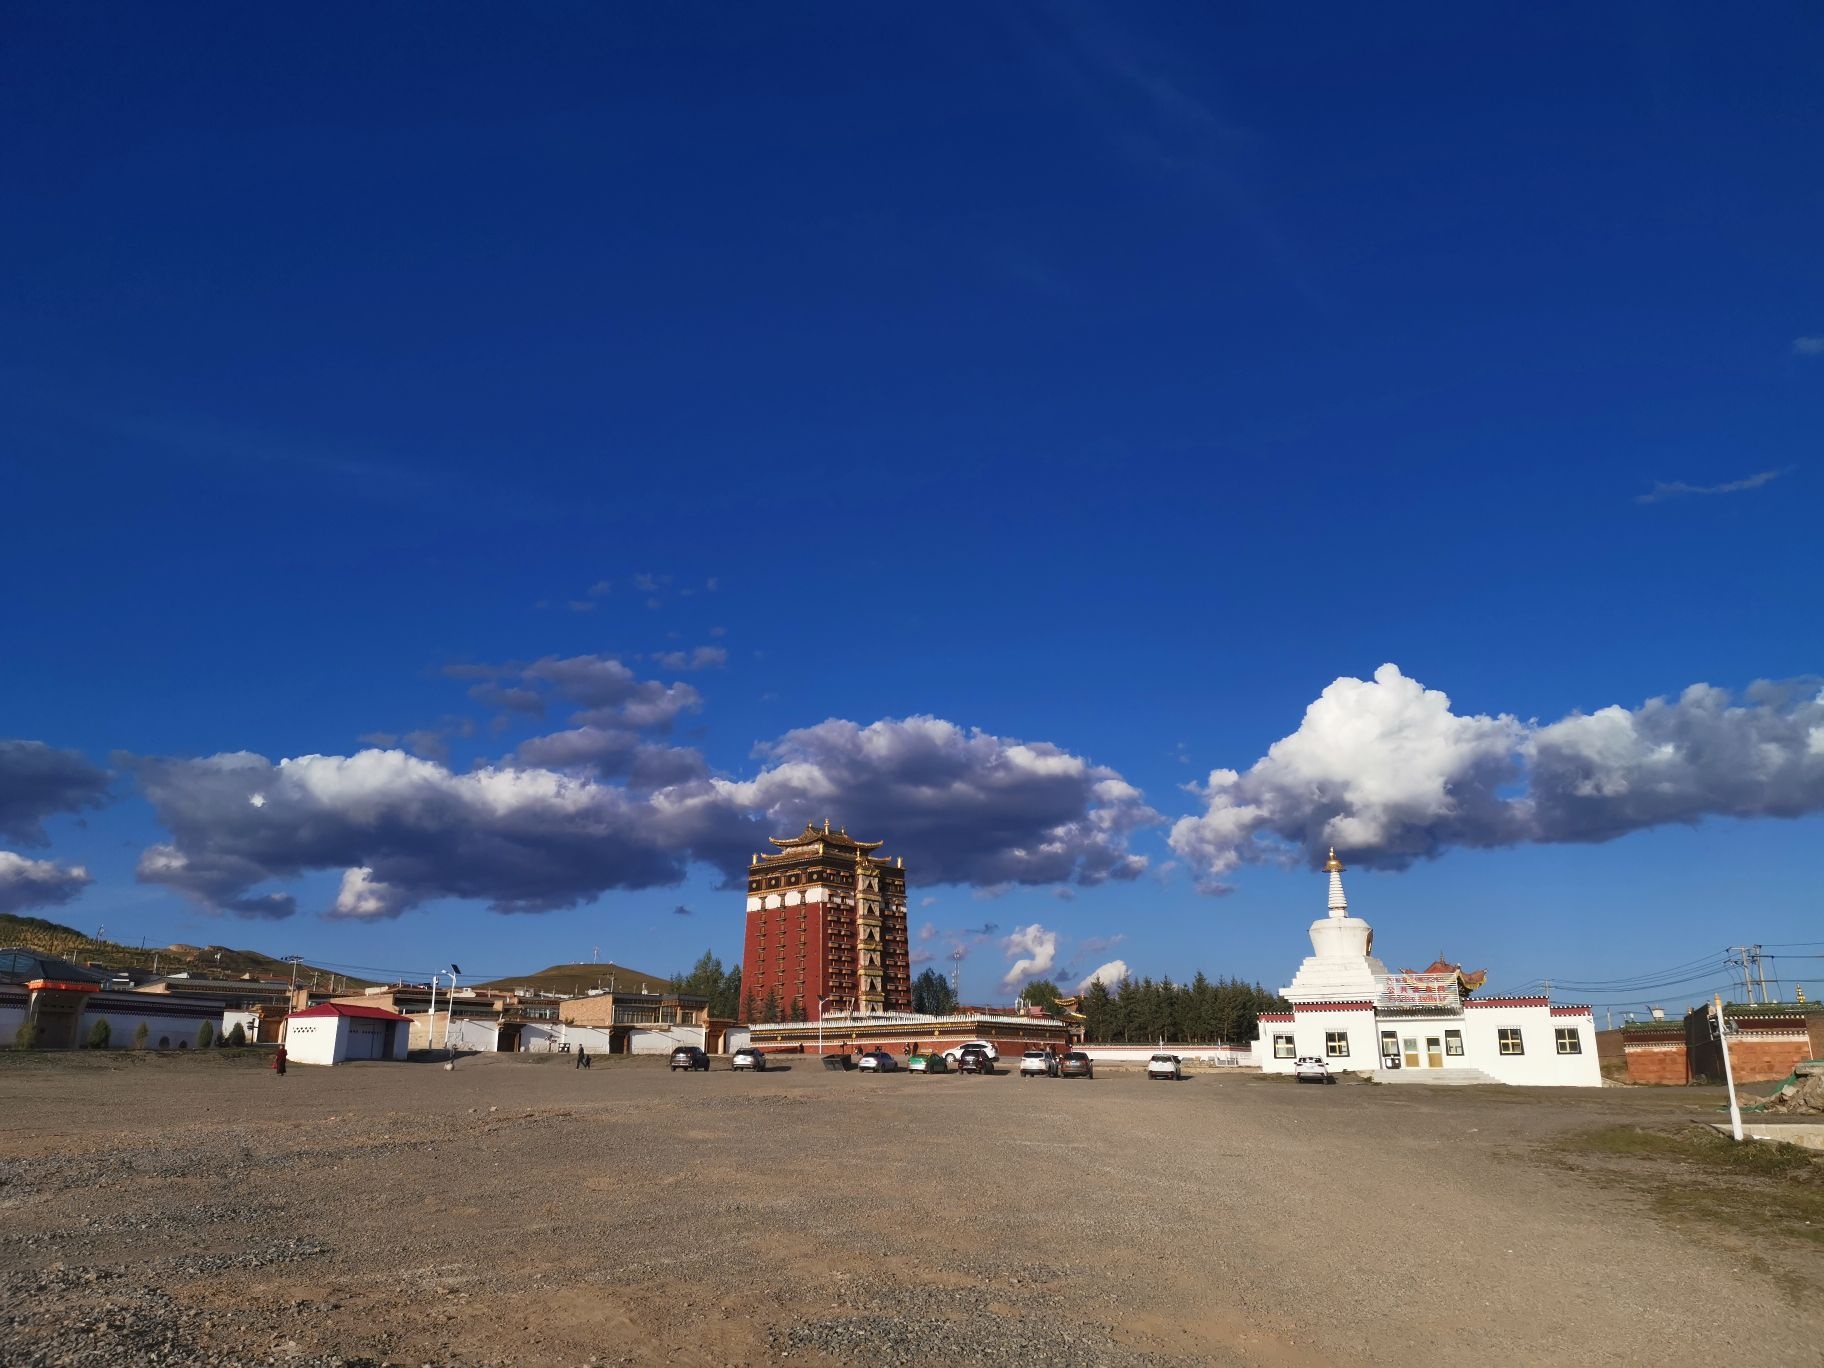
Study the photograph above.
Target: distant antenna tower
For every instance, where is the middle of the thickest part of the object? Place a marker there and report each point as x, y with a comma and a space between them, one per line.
956, 973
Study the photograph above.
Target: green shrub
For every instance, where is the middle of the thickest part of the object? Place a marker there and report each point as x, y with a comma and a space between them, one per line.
100, 1034
141, 1036
238, 1036
27, 1038
205, 1035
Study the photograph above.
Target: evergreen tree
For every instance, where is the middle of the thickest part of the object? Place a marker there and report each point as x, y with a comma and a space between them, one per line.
931, 994
726, 1000
140, 1036
100, 1033
205, 1036
1042, 993
1098, 1008
769, 1010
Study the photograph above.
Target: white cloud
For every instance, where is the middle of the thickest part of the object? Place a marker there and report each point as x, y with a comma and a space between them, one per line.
1808, 346
1386, 772
702, 658
37, 883
363, 897
1037, 949
596, 807
1676, 489
1110, 974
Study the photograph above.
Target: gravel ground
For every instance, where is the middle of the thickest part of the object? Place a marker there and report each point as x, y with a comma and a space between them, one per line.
517, 1211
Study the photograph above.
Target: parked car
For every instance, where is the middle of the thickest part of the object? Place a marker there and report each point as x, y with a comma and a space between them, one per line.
689, 1057
927, 1064
879, 1061
972, 1058
1038, 1063
955, 1053
1311, 1069
747, 1057
1076, 1064
1165, 1066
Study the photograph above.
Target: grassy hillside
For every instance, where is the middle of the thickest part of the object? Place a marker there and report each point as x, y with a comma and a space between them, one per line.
574, 979
214, 961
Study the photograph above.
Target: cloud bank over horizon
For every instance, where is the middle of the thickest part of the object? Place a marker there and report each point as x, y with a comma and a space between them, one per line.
606, 804
1386, 772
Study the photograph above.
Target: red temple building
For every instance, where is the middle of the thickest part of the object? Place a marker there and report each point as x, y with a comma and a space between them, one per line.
826, 929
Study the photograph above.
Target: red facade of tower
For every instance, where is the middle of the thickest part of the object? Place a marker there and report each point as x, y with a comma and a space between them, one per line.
826, 930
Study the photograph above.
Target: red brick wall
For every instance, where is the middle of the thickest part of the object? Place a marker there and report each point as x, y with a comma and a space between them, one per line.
1764, 1061
763, 973
1663, 1062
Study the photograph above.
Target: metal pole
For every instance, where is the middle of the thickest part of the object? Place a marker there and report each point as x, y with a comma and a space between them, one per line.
1722, 1039
430, 1022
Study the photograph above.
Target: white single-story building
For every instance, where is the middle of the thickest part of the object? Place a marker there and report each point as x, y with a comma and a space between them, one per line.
1349, 1010
336, 1032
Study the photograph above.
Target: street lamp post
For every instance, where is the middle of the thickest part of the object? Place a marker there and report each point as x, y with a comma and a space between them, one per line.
820, 1002
449, 1018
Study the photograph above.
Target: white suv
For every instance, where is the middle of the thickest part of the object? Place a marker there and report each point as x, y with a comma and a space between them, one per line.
1038, 1064
1311, 1069
1164, 1066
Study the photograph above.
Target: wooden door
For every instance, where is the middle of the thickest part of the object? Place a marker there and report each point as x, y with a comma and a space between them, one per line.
1434, 1052
1411, 1046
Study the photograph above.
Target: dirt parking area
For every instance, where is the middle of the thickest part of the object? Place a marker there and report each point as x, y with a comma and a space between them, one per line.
518, 1211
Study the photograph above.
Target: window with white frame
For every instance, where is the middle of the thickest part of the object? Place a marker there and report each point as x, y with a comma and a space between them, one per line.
1282, 1047
1390, 1045
1509, 1040
1336, 1044
1453, 1042
1570, 1041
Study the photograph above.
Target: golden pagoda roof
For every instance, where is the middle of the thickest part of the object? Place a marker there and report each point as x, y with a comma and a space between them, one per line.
812, 835
1333, 865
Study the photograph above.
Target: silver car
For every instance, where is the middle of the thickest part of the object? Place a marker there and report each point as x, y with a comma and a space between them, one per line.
747, 1057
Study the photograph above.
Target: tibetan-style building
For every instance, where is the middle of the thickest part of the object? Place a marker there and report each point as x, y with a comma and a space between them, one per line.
1349, 1010
826, 929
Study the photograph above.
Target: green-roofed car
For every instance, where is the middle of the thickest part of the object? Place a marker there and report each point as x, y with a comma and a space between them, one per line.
927, 1064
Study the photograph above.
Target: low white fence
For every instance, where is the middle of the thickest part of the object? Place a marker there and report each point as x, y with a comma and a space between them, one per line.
1216, 1056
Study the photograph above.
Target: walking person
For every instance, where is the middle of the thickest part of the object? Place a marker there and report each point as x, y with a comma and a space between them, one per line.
278, 1061
582, 1057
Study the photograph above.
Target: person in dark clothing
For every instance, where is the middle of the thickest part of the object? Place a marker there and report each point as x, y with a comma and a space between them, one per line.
588, 1063
278, 1061
582, 1058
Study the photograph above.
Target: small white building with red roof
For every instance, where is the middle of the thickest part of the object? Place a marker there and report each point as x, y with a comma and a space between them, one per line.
339, 1032
1352, 1012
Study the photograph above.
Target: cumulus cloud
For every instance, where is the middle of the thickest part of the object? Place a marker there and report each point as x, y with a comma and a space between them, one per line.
962, 806
1036, 950
1808, 346
39, 781
702, 658
403, 829
1388, 773
37, 883
1109, 974
1677, 489
596, 807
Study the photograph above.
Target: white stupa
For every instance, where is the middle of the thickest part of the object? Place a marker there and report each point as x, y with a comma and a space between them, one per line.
1340, 967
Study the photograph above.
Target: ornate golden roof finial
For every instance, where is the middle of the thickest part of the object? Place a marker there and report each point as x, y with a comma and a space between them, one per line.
826, 826
1333, 865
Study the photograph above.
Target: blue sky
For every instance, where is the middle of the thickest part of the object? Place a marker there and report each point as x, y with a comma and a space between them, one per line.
1104, 383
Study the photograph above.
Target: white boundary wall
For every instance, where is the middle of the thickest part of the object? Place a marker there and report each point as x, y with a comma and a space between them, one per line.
1218, 1056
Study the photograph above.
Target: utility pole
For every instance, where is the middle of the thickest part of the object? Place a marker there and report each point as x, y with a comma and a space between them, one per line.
1722, 1040
291, 999
1761, 970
